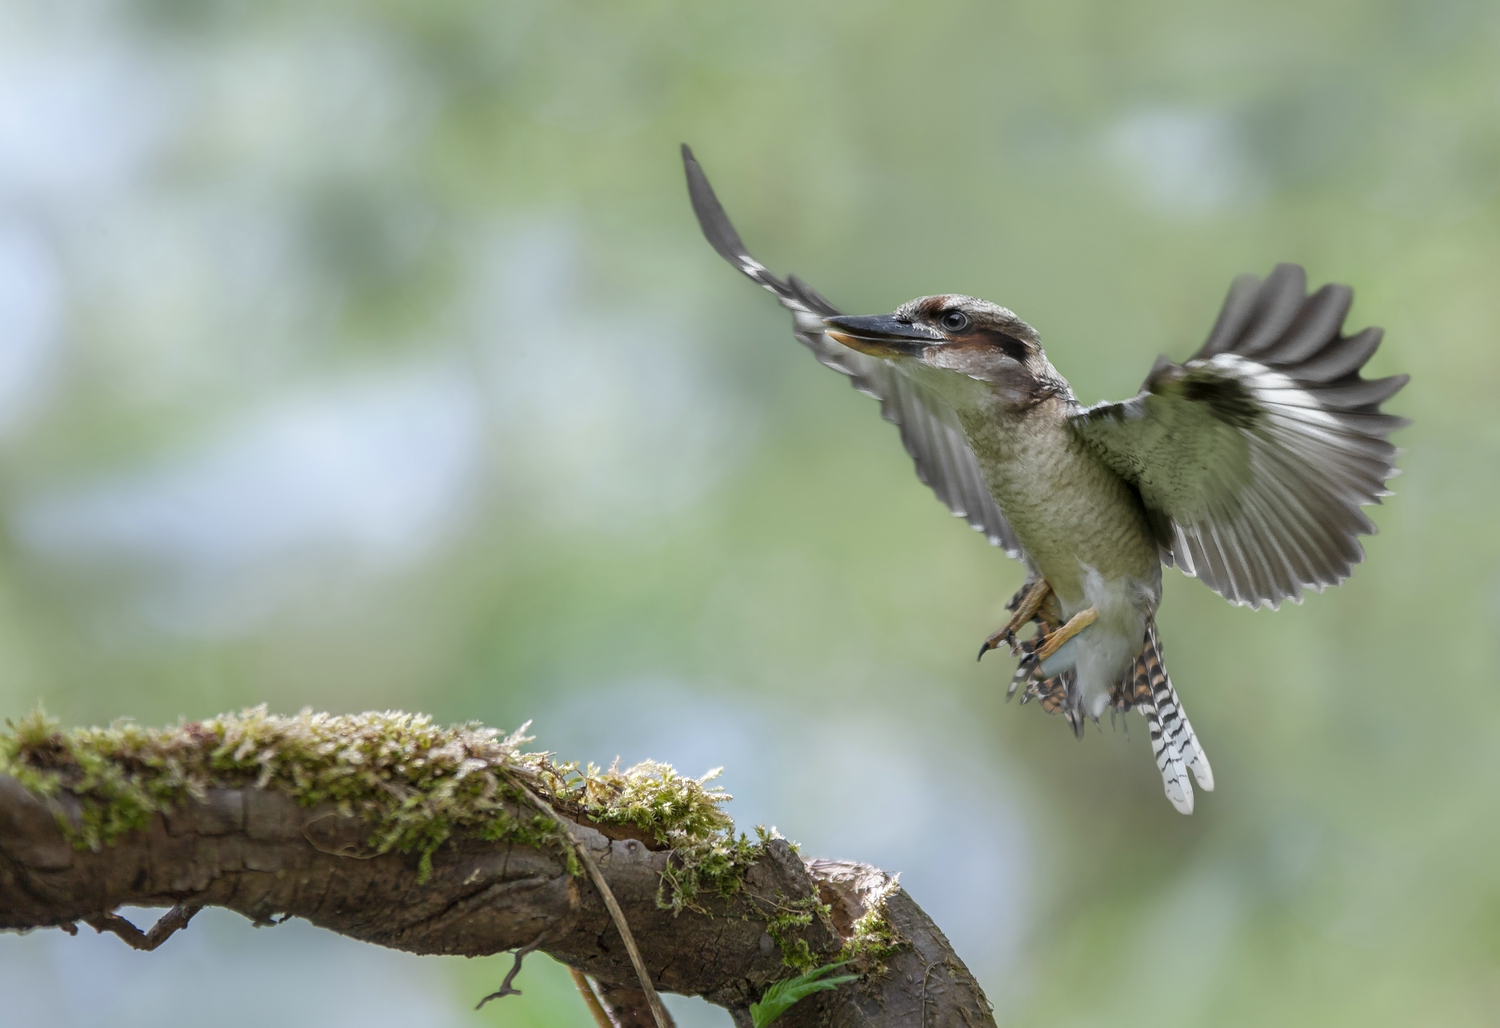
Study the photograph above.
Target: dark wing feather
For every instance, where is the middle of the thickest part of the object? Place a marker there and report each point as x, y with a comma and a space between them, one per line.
929, 429
1257, 454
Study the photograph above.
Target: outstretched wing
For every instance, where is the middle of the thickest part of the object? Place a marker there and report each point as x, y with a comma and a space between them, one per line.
1256, 455
928, 425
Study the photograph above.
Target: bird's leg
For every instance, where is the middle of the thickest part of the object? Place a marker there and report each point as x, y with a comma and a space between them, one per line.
1023, 606
1077, 623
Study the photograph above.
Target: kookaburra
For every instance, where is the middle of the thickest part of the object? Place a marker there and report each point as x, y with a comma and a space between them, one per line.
1246, 466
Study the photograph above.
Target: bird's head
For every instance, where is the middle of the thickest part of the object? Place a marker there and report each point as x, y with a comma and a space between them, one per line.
960, 334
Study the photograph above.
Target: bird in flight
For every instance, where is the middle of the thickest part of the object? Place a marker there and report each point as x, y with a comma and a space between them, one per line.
1246, 466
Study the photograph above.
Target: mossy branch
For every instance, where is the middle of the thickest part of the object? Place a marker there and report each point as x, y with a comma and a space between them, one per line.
387, 828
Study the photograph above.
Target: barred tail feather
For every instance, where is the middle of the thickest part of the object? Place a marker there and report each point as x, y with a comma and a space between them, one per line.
1169, 762
1173, 741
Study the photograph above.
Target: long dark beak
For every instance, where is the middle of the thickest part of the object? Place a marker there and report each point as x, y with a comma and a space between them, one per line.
881, 335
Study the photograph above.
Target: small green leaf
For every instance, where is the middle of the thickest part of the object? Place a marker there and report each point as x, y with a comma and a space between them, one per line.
783, 994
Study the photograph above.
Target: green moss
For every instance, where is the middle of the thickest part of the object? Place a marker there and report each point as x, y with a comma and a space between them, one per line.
415, 782
714, 865
783, 928
874, 937
652, 797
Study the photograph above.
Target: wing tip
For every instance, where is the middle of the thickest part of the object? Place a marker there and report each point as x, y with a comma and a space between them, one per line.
712, 219
799, 296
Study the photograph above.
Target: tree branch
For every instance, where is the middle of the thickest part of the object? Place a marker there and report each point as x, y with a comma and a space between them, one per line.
260, 852
659, 1015
167, 925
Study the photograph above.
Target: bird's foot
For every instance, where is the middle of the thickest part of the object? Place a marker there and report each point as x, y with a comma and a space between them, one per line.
1055, 694
1055, 640
1026, 605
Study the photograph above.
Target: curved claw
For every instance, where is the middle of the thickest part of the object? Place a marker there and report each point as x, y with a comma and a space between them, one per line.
994, 641
1025, 606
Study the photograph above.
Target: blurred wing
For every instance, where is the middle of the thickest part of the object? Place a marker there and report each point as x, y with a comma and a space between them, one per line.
928, 426
1256, 455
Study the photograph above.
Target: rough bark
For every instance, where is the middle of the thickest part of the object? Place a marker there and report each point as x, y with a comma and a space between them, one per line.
259, 853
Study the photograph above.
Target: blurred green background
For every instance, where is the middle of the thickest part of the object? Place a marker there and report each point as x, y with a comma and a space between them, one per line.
367, 355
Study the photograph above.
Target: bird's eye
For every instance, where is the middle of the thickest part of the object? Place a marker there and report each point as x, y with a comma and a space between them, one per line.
955, 321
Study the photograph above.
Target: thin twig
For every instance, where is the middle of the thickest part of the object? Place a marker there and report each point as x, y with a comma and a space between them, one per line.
172, 921
658, 1012
926, 974
506, 989
590, 1000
